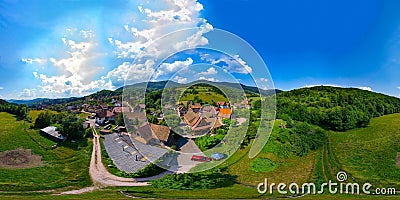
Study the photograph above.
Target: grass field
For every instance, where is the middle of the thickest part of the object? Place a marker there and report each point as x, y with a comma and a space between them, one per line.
370, 154
293, 169
366, 154
204, 95
84, 115
235, 191
35, 113
65, 166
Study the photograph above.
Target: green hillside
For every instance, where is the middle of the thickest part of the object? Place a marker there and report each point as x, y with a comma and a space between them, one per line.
335, 108
65, 166
370, 154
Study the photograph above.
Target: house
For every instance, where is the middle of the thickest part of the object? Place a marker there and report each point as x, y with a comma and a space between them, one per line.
209, 111
191, 118
182, 111
139, 107
237, 105
222, 104
71, 107
51, 132
206, 124
105, 131
135, 117
104, 106
196, 107
245, 104
104, 115
118, 110
153, 134
225, 113
120, 129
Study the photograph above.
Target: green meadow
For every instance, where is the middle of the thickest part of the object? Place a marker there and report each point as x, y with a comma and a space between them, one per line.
65, 166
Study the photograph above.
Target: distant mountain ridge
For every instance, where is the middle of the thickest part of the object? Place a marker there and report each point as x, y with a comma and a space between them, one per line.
150, 86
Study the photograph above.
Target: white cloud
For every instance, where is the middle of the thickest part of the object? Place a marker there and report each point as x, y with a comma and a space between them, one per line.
77, 68
314, 85
87, 33
172, 16
264, 79
247, 68
34, 60
167, 68
210, 71
231, 64
27, 94
180, 79
334, 85
1, 88
398, 87
208, 79
195, 39
366, 88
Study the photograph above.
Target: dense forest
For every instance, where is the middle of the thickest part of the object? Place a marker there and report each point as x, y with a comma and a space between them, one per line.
334, 108
21, 111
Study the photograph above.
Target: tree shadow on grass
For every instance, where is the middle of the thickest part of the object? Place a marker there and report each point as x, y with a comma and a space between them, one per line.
76, 145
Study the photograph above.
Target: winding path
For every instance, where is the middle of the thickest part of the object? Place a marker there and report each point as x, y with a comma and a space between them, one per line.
101, 177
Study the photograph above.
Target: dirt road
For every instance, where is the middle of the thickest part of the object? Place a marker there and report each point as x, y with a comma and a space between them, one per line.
101, 177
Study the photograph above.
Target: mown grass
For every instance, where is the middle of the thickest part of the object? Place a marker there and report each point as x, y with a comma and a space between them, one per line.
84, 115
65, 166
205, 96
233, 192
35, 113
370, 154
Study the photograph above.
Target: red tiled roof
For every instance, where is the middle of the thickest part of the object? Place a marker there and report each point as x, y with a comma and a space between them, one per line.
121, 109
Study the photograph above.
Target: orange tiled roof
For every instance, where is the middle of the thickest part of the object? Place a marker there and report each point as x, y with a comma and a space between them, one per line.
225, 111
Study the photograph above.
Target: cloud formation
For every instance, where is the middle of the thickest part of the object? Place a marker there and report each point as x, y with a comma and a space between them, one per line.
210, 71
76, 71
208, 79
34, 60
234, 64
366, 88
179, 79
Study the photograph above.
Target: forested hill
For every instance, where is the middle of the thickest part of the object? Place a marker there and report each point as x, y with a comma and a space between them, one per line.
21, 111
335, 108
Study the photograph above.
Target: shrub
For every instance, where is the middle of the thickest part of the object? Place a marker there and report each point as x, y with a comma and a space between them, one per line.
190, 181
262, 165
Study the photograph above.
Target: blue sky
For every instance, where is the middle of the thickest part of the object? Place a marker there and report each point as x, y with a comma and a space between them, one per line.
72, 48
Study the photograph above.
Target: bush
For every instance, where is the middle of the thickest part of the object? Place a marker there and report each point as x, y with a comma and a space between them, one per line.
190, 181
262, 165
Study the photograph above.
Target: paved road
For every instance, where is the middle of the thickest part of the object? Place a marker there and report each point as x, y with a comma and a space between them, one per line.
187, 149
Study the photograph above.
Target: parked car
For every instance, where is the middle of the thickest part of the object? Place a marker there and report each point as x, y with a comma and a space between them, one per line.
201, 158
218, 156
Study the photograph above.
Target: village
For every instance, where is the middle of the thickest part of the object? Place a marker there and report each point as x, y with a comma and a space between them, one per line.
121, 140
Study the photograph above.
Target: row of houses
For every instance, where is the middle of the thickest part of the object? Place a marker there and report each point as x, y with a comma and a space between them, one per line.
201, 119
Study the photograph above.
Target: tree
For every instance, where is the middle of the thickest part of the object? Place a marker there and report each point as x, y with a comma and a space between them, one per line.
72, 128
120, 119
44, 119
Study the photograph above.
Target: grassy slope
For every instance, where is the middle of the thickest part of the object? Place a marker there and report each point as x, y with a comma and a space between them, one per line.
354, 151
65, 166
204, 95
293, 169
370, 154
